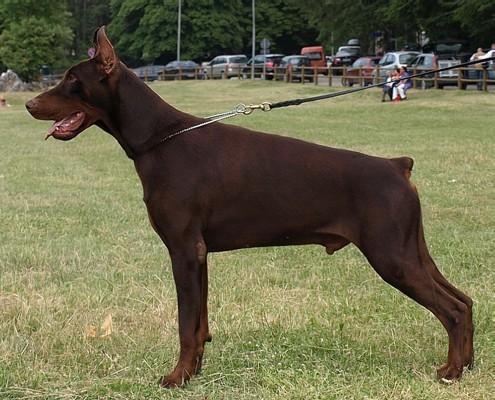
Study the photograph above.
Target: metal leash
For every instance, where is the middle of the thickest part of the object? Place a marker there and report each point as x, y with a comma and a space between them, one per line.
238, 109
267, 106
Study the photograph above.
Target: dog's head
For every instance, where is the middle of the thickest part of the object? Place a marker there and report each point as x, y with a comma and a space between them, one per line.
84, 95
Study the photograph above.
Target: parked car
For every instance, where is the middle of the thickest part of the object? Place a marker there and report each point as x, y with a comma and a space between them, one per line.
393, 60
316, 55
297, 67
226, 66
361, 71
180, 70
345, 57
149, 72
428, 61
449, 49
264, 66
423, 63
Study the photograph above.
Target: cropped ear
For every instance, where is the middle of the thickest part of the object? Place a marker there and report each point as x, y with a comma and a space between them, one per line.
105, 54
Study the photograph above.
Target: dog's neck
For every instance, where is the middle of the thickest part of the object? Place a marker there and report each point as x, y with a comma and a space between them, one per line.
141, 118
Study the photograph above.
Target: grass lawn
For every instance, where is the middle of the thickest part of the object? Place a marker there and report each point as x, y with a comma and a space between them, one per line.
288, 323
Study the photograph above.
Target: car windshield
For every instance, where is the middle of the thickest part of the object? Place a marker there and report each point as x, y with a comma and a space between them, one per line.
275, 59
428, 61
296, 61
238, 60
360, 62
406, 58
444, 48
387, 59
176, 64
353, 51
313, 55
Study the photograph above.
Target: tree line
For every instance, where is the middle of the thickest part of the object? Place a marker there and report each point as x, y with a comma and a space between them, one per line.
43, 32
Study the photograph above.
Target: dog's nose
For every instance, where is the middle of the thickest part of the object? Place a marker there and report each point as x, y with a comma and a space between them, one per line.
31, 104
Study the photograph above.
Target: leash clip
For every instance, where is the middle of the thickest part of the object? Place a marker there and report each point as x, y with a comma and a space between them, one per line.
246, 110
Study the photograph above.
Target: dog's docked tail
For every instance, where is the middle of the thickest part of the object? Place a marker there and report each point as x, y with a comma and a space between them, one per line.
404, 164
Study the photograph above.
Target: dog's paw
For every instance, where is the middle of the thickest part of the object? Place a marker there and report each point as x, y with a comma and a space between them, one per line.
448, 374
172, 381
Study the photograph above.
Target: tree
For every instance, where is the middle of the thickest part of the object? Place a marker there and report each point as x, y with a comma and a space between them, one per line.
146, 30
399, 20
87, 15
35, 33
477, 17
283, 23
338, 20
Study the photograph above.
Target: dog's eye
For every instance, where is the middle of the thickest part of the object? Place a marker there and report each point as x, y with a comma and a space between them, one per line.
71, 79
74, 83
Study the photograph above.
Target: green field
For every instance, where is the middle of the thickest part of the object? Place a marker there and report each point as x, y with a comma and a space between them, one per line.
287, 323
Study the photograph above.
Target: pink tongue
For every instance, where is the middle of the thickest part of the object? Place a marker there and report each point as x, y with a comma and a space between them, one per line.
63, 125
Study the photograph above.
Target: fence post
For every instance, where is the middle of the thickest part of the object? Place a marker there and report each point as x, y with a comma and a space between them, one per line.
330, 76
315, 76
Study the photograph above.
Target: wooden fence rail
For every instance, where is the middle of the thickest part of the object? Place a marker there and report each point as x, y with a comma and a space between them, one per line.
459, 77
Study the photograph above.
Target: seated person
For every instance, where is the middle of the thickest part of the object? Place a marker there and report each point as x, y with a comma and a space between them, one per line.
400, 89
389, 83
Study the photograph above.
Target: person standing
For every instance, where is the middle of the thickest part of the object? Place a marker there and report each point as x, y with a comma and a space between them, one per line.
480, 54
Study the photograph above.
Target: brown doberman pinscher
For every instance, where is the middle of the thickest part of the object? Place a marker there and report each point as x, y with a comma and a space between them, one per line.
223, 187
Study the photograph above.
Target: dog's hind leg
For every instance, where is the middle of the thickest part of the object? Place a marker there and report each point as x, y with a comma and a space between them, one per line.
392, 248
468, 357
413, 280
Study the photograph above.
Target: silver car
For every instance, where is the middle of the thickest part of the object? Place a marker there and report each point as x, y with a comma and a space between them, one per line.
393, 60
226, 66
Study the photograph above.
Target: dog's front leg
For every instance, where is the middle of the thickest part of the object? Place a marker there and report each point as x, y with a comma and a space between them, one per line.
188, 267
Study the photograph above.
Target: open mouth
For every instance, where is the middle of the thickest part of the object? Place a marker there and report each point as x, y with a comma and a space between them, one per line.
68, 127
